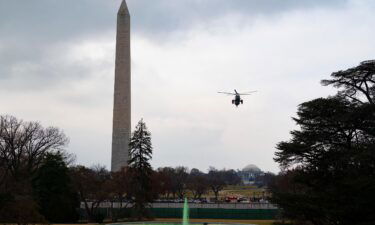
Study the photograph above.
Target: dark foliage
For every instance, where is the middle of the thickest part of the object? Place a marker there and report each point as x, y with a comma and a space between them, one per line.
179, 181
54, 192
216, 181
21, 209
197, 182
265, 180
23, 147
140, 154
357, 83
230, 177
329, 163
119, 188
164, 180
92, 188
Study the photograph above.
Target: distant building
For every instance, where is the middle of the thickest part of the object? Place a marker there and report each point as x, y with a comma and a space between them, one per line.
249, 173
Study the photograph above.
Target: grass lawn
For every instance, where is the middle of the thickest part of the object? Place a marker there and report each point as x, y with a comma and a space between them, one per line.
245, 191
257, 222
236, 190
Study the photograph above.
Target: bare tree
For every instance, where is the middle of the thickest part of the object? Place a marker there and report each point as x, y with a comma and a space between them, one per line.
24, 144
179, 180
119, 187
216, 181
165, 178
92, 186
197, 183
23, 147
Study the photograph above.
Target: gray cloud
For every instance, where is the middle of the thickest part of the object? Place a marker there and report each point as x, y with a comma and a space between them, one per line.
35, 37
43, 21
164, 16
34, 69
29, 29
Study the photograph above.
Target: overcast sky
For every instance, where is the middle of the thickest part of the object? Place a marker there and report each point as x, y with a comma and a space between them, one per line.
57, 67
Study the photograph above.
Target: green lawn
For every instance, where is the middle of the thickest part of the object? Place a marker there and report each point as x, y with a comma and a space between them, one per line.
257, 222
235, 190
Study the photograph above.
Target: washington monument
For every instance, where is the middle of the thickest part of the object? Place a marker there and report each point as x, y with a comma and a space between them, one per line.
122, 92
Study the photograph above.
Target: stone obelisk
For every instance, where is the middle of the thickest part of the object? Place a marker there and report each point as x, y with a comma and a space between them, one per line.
122, 92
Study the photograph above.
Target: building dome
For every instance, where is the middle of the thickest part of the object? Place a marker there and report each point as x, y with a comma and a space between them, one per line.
251, 168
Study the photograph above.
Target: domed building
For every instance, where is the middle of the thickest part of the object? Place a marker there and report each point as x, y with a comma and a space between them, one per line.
249, 173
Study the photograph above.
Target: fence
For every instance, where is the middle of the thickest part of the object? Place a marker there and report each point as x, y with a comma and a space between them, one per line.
254, 211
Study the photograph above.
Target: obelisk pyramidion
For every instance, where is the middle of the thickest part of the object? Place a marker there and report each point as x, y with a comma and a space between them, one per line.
122, 92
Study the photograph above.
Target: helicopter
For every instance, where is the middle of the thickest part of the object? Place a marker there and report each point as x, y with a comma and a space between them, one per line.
237, 96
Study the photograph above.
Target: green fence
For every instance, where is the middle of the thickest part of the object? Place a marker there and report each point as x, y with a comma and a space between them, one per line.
204, 213
201, 213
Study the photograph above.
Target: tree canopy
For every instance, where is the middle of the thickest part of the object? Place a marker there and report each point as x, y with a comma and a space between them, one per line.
329, 162
26, 151
54, 192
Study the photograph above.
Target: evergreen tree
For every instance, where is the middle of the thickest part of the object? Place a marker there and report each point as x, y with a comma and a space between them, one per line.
54, 192
329, 162
141, 171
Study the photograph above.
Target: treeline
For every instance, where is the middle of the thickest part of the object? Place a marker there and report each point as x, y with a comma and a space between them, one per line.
96, 185
39, 183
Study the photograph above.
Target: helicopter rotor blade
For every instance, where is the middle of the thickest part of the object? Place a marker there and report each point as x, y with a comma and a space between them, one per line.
226, 93
247, 93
